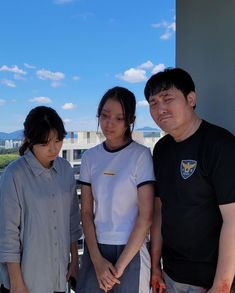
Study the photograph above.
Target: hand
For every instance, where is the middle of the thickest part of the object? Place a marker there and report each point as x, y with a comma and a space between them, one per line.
119, 270
73, 270
105, 273
156, 281
19, 288
224, 288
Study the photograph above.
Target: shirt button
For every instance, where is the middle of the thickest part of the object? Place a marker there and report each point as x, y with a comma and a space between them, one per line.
55, 227
54, 211
53, 194
55, 243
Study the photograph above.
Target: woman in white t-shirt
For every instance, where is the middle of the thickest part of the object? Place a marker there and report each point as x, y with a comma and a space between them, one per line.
117, 203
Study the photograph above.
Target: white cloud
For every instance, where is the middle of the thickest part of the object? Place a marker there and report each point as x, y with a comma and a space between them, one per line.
76, 77
133, 75
49, 75
29, 66
13, 69
55, 84
169, 29
18, 77
146, 65
68, 106
172, 26
8, 83
142, 103
2, 102
166, 36
158, 68
67, 120
41, 100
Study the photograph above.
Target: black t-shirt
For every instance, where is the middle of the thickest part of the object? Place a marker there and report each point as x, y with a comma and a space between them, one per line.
194, 177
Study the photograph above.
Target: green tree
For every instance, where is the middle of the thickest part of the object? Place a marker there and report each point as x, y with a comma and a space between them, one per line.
7, 159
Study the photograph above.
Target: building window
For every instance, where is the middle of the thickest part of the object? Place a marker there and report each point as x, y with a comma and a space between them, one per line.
64, 154
88, 137
77, 154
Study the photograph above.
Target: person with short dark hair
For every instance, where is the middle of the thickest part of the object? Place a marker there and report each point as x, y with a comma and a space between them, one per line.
39, 212
193, 229
117, 202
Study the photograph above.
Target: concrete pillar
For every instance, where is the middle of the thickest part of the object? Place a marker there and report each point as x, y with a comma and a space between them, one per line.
205, 47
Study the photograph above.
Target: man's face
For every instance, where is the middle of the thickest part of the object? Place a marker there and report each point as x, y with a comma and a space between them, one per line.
171, 110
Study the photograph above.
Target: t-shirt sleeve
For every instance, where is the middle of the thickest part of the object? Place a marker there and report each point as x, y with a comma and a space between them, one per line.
10, 220
85, 172
156, 167
75, 227
144, 169
222, 170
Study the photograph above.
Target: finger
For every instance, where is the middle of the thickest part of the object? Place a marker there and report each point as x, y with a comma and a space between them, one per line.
102, 286
154, 288
112, 269
68, 276
109, 287
109, 281
162, 284
113, 278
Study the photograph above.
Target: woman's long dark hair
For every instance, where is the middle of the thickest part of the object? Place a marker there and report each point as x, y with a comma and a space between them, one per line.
37, 126
128, 102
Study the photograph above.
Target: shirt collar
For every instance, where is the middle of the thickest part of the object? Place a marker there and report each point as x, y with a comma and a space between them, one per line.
35, 165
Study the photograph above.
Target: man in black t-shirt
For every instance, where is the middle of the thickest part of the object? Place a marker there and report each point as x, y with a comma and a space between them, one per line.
194, 221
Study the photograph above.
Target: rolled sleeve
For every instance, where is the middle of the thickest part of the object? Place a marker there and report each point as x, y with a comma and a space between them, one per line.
10, 214
75, 226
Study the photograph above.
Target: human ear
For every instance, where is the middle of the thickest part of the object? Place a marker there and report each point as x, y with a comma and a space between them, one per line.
191, 98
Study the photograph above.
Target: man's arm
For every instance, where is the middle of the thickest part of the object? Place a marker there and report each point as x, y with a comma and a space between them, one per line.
225, 270
156, 247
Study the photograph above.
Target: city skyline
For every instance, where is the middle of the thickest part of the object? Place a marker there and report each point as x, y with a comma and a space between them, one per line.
66, 53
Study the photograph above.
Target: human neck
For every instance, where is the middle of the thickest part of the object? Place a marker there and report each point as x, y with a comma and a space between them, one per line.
112, 145
189, 129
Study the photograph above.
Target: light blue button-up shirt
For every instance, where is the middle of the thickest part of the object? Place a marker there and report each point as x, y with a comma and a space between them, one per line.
39, 219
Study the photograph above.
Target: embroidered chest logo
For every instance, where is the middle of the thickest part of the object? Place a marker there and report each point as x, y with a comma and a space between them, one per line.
108, 173
187, 168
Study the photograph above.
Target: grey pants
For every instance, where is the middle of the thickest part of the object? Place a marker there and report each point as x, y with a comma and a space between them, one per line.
175, 287
134, 280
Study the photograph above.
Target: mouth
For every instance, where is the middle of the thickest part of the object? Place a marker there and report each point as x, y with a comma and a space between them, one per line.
164, 118
52, 156
108, 131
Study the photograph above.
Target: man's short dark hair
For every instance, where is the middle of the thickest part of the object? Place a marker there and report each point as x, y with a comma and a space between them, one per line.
170, 77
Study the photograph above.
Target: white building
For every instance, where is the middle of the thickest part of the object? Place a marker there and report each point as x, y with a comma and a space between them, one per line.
80, 141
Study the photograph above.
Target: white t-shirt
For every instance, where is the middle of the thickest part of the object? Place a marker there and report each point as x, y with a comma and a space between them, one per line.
114, 177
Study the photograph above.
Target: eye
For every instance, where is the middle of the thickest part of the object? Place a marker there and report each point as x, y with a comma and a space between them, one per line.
152, 103
103, 116
168, 99
120, 118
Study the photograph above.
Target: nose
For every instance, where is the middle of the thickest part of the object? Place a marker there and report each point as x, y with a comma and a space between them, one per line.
109, 120
52, 148
162, 109
158, 109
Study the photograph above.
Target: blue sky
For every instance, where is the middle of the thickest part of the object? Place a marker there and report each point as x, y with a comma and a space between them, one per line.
66, 53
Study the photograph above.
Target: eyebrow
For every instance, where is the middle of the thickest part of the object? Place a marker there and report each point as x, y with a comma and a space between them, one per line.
105, 110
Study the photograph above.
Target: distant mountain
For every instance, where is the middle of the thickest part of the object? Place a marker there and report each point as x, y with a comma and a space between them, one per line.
149, 129
16, 135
